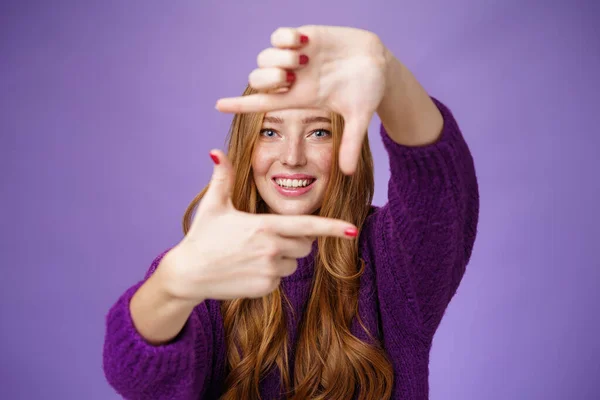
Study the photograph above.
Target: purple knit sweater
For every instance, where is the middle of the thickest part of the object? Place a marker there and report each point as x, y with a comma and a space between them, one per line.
415, 247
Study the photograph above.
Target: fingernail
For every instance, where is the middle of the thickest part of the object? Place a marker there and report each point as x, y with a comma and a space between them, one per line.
303, 39
303, 59
291, 77
214, 158
352, 232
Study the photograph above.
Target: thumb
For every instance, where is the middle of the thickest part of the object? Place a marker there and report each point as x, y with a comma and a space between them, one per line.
355, 130
221, 183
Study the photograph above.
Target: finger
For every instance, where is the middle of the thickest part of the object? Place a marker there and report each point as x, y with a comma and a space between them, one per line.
261, 102
296, 247
286, 266
221, 183
355, 130
307, 225
280, 58
288, 38
270, 78
284, 89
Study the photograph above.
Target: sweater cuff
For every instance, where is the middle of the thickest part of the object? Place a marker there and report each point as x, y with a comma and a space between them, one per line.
449, 131
428, 163
129, 359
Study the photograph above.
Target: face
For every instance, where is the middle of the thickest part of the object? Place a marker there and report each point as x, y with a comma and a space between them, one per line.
292, 160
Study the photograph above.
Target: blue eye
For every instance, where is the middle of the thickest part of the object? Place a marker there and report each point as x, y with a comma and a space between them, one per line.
263, 131
319, 133
324, 131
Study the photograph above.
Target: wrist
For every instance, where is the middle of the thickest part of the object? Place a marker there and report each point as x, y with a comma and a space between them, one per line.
395, 74
406, 110
168, 284
158, 315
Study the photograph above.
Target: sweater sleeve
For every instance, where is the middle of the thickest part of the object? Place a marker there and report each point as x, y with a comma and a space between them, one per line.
430, 220
180, 369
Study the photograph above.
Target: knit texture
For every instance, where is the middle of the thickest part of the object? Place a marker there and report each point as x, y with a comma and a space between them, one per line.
416, 248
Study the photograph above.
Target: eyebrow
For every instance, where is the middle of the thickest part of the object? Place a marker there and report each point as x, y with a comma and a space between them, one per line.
305, 121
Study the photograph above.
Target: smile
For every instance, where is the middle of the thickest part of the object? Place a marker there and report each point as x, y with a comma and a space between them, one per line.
293, 187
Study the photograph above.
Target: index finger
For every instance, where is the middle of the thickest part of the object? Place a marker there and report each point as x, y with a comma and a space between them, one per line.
256, 103
309, 225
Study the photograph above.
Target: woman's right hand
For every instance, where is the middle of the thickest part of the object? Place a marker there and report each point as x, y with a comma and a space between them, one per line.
230, 254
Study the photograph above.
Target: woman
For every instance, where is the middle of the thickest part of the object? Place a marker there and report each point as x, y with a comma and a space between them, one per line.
270, 294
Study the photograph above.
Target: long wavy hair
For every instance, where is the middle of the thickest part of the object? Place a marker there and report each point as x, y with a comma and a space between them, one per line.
330, 363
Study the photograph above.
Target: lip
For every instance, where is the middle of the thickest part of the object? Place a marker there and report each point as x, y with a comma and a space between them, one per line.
293, 176
295, 191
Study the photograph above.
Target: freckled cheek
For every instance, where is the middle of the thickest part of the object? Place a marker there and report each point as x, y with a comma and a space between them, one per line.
323, 159
262, 160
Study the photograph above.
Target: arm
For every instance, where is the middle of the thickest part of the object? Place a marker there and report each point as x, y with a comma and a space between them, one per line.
407, 112
429, 223
179, 367
157, 315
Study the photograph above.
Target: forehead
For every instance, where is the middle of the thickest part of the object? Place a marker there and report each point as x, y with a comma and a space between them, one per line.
296, 114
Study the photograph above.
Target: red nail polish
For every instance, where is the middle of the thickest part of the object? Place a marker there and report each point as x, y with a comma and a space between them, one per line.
352, 232
291, 77
214, 158
303, 59
303, 39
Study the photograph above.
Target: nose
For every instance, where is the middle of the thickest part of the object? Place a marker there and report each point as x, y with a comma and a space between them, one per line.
293, 154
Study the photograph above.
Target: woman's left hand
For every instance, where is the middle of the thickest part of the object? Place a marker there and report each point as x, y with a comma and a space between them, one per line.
336, 68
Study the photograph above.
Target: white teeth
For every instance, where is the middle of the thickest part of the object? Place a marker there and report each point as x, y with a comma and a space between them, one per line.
293, 183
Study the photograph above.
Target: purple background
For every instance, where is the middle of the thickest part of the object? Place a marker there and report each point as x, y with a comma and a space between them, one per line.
106, 117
